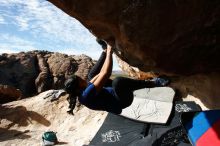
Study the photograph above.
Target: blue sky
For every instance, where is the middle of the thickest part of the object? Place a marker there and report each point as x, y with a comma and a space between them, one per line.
38, 25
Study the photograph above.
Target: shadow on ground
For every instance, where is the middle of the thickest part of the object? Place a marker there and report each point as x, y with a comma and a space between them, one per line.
18, 116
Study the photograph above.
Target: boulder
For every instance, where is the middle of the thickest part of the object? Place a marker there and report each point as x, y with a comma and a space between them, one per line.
9, 93
175, 38
44, 80
19, 70
85, 63
37, 71
61, 66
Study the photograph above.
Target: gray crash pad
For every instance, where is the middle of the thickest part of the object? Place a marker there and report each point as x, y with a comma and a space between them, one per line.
151, 105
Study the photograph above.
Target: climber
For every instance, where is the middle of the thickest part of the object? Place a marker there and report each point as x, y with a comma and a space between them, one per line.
99, 92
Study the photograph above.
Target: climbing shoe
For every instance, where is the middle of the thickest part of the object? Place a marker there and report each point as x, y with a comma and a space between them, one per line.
160, 82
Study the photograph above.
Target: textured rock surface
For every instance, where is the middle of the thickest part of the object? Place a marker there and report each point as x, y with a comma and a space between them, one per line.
38, 71
204, 87
20, 71
8, 93
134, 72
84, 65
44, 80
61, 66
23, 122
175, 37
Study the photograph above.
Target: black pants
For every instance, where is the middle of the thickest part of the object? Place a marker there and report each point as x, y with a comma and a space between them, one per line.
97, 67
122, 86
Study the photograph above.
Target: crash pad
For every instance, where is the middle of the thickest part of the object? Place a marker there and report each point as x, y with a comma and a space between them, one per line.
203, 128
120, 131
150, 105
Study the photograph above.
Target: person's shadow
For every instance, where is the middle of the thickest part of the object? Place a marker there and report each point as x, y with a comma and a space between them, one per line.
18, 116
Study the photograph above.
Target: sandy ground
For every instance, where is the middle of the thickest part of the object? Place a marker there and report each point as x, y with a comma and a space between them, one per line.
23, 122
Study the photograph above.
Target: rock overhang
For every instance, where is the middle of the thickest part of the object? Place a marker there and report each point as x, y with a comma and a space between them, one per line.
171, 37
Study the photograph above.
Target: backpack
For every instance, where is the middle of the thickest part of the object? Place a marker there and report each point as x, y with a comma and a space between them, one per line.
49, 138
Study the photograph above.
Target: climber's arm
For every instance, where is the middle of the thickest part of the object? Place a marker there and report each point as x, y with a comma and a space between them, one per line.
100, 79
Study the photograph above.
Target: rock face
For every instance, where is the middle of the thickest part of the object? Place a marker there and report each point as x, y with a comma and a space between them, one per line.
44, 79
134, 72
38, 71
8, 93
176, 38
61, 66
19, 70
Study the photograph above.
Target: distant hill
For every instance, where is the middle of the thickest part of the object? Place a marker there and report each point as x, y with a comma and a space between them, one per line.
116, 73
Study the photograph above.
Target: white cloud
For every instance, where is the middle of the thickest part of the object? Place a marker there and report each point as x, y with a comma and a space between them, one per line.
13, 39
10, 43
42, 16
2, 20
22, 23
8, 51
42, 20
